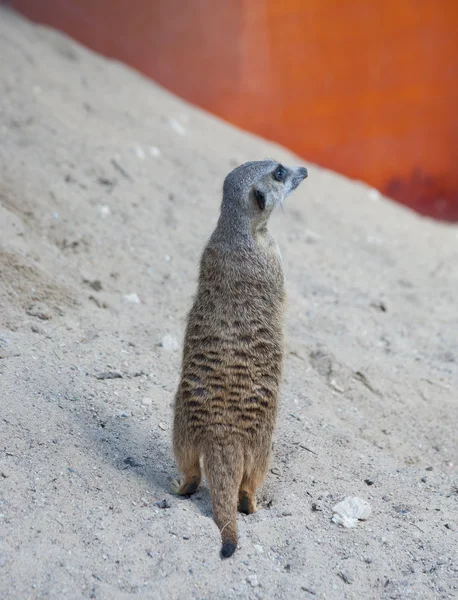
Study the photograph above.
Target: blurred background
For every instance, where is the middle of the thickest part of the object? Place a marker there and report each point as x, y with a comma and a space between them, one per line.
366, 88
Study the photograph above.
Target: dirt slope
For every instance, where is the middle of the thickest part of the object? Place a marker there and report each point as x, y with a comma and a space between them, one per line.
109, 187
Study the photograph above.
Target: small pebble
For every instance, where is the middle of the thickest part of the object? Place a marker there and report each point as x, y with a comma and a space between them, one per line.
41, 311
345, 576
147, 401
169, 343
275, 471
96, 284
253, 580
162, 426
105, 181
162, 504
109, 375
374, 195
335, 385
308, 589
177, 127
311, 237
154, 151
258, 548
104, 210
131, 462
131, 298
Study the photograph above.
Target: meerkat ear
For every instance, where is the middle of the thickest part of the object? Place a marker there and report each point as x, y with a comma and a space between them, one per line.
260, 199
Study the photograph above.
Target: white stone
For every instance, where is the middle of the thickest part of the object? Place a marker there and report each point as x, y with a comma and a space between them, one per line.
104, 210
335, 385
374, 195
154, 151
132, 298
140, 152
351, 510
169, 342
177, 127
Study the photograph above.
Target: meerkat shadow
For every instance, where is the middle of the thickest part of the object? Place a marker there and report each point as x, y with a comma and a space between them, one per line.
200, 499
131, 449
158, 463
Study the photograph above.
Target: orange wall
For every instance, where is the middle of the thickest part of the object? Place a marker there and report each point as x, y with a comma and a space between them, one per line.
369, 89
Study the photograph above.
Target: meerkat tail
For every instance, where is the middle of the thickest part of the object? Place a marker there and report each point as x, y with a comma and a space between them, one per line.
224, 469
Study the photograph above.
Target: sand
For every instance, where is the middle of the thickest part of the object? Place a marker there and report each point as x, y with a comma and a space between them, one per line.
109, 189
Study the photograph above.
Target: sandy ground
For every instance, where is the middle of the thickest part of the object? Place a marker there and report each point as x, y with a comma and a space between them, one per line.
109, 188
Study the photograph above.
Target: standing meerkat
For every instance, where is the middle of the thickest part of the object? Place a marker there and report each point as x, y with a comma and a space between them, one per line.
226, 403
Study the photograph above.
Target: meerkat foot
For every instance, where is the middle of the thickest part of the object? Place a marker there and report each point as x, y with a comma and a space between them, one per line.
187, 488
247, 502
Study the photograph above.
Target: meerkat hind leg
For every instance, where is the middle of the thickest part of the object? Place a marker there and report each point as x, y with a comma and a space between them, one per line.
247, 494
247, 502
252, 479
189, 465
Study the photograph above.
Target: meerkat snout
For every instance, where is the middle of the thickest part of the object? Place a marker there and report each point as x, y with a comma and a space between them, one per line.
297, 177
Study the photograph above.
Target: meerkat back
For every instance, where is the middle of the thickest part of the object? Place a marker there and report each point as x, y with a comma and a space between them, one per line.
226, 403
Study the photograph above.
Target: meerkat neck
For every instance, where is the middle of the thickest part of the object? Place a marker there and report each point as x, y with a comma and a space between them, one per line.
233, 225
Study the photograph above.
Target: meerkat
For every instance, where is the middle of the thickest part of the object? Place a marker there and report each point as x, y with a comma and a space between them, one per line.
226, 403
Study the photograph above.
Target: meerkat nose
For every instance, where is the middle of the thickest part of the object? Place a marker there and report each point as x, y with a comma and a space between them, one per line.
303, 171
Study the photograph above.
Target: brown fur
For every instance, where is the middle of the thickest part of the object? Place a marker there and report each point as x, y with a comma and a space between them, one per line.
226, 403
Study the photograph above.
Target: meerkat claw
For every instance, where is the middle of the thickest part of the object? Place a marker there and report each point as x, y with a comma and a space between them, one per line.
187, 488
175, 486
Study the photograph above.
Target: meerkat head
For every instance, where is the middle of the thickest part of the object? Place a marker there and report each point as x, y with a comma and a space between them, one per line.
256, 188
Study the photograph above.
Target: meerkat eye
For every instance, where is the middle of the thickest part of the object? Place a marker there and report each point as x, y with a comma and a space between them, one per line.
260, 199
280, 173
